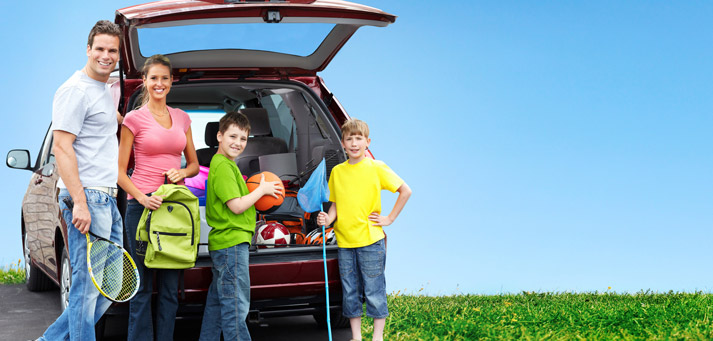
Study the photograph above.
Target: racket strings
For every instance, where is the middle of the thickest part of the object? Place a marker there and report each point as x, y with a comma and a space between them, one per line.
113, 271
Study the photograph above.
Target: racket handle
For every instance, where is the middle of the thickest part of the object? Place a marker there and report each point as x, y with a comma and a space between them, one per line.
68, 201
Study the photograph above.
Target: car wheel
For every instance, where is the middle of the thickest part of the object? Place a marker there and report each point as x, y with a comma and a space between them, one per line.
65, 279
35, 279
335, 316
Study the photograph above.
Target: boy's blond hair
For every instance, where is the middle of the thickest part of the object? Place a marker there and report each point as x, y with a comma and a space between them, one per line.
354, 126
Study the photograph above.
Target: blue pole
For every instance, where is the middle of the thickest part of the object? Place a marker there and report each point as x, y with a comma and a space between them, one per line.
326, 278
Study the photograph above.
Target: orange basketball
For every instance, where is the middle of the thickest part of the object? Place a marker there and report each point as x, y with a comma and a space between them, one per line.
267, 203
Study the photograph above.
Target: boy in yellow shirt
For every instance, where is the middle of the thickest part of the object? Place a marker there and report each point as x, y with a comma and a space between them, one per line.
355, 192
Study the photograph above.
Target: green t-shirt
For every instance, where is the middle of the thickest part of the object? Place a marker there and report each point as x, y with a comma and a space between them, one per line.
225, 183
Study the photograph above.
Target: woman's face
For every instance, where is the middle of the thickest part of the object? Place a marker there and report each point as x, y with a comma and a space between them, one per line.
158, 82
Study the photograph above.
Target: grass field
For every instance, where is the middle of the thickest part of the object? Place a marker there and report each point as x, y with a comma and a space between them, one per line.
550, 316
12, 274
534, 316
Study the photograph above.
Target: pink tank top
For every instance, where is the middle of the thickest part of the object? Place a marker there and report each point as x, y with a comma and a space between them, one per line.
156, 149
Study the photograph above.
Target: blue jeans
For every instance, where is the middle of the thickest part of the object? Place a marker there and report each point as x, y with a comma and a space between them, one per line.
140, 326
362, 272
86, 305
228, 301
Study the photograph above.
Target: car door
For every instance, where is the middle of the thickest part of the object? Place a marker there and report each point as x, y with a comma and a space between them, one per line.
41, 210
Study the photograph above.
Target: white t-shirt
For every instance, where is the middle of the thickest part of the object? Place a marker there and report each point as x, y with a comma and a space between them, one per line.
85, 108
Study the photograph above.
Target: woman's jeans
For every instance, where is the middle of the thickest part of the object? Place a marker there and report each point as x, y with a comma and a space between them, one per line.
140, 325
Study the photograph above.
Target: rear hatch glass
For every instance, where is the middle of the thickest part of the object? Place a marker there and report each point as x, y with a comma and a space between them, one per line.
298, 39
265, 38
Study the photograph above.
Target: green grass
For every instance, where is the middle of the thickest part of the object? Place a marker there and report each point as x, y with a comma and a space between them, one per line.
13, 274
533, 316
549, 316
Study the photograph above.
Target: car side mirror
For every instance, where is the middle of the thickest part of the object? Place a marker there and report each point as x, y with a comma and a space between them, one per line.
18, 159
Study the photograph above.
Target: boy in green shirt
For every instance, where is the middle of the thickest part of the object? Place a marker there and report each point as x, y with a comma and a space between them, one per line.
231, 213
355, 192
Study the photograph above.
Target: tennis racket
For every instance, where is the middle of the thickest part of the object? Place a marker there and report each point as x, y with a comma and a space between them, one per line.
111, 268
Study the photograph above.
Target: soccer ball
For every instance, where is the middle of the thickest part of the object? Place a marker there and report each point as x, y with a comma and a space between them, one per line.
271, 235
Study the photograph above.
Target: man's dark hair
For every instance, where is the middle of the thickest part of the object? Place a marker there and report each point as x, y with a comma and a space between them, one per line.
236, 118
104, 27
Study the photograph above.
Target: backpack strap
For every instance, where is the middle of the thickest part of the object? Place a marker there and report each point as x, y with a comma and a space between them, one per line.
148, 226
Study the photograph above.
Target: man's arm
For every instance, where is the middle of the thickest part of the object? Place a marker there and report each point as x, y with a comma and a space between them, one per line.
69, 172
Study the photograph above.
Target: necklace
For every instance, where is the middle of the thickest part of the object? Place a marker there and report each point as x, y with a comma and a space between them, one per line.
157, 115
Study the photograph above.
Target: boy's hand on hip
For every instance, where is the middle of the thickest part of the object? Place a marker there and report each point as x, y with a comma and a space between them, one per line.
81, 218
380, 220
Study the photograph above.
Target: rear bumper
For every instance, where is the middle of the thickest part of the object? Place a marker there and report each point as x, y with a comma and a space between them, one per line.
282, 283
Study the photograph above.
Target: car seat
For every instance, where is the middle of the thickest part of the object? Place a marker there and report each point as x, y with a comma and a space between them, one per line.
261, 143
210, 137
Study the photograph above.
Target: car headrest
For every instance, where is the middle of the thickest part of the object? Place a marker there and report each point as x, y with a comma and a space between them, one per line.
259, 122
211, 133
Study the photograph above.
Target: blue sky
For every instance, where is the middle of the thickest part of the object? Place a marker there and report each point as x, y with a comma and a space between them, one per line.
551, 146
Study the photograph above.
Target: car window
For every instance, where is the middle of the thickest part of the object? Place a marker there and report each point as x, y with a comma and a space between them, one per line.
46, 154
282, 122
299, 39
199, 119
294, 114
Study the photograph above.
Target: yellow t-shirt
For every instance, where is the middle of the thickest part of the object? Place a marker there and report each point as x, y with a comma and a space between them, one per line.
356, 189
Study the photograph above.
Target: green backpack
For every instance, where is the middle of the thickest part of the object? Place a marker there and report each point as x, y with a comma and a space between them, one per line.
172, 232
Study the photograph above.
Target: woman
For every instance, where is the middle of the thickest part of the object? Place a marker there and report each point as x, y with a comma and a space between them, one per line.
157, 134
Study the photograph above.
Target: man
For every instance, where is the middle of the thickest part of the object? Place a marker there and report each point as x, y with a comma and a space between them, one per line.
84, 125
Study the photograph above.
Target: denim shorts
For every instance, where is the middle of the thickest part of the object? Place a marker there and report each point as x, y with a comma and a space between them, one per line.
363, 280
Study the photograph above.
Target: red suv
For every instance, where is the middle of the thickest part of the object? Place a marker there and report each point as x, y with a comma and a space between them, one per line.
261, 57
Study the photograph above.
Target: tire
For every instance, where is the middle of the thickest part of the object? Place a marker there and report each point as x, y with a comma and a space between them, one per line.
35, 279
65, 279
335, 316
